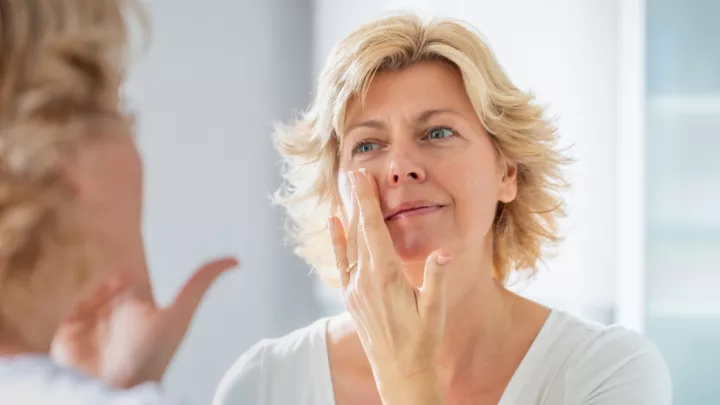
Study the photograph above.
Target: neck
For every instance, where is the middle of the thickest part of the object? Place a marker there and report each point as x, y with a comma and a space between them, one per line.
480, 314
478, 327
483, 326
16, 347
119, 252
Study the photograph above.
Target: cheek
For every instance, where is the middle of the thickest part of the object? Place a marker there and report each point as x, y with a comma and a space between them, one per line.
468, 176
473, 185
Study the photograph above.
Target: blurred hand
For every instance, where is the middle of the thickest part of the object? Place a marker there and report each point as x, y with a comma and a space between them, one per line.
400, 326
121, 336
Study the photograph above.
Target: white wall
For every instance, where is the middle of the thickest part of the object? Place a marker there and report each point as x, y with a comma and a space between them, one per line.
217, 75
566, 51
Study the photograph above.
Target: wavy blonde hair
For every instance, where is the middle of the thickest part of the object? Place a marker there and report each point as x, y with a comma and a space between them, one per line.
517, 127
62, 63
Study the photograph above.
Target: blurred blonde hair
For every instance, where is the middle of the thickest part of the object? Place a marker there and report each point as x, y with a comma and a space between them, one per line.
62, 63
516, 125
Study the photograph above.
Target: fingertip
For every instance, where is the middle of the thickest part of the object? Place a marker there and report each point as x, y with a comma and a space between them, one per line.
220, 266
367, 175
230, 263
442, 260
442, 257
368, 179
234, 266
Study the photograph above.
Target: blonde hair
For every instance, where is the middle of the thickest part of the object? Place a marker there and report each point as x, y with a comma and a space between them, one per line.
62, 63
516, 125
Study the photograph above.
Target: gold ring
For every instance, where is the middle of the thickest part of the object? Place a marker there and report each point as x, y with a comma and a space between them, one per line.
351, 267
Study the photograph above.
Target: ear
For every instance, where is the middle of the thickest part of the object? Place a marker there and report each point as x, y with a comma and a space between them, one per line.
508, 181
72, 174
79, 167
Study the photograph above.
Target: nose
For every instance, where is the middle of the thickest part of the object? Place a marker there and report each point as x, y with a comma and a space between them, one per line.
405, 167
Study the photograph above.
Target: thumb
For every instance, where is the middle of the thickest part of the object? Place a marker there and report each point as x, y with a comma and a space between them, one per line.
194, 290
432, 300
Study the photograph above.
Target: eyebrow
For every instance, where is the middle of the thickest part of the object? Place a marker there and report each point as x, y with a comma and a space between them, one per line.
422, 117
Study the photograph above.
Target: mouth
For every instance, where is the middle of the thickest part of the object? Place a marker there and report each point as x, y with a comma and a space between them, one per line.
411, 209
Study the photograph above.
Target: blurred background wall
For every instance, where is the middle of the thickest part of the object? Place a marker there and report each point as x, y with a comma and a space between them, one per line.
635, 87
216, 77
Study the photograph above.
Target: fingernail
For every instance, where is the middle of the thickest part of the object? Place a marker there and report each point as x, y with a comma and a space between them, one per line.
443, 260
363, 172
331, 223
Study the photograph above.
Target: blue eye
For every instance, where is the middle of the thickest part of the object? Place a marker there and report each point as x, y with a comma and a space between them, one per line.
365, 147
440, 133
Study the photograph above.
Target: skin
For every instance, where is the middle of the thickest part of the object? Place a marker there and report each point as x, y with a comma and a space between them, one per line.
119, 333
418, 138
114, 330
399, 327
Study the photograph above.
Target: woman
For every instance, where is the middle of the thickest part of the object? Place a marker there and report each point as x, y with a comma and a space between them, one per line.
78, 322
70, 211
458, 171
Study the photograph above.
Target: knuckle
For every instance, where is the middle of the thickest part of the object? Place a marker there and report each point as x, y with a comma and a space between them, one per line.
353, 301
347, 296
389, 275
367, 289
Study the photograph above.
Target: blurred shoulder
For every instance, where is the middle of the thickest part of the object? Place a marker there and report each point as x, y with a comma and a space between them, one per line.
36, 379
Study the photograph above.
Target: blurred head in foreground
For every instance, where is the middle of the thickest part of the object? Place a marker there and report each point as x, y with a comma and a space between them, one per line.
67, 157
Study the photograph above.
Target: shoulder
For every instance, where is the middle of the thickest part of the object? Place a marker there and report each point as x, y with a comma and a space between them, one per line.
30, 379
288, 361
615, 365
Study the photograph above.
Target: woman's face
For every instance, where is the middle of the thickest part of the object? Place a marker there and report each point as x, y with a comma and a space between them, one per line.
438, 174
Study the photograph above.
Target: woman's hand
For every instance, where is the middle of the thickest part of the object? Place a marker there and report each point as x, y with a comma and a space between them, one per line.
121, 336
400, 326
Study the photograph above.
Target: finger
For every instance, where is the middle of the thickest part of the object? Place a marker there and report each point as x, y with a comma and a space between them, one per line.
337, 234
363, 254
351, 231
371, 219
194, 290
432, 298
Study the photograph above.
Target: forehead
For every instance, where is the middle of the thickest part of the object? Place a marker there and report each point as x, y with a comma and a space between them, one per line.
423, 86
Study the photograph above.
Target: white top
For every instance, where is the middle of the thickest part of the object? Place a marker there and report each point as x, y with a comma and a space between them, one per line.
571, 362
36, 380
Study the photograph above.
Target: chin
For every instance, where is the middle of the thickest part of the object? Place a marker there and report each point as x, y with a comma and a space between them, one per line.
415, 251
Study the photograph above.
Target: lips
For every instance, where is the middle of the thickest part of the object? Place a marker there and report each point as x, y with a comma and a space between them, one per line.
411, 209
